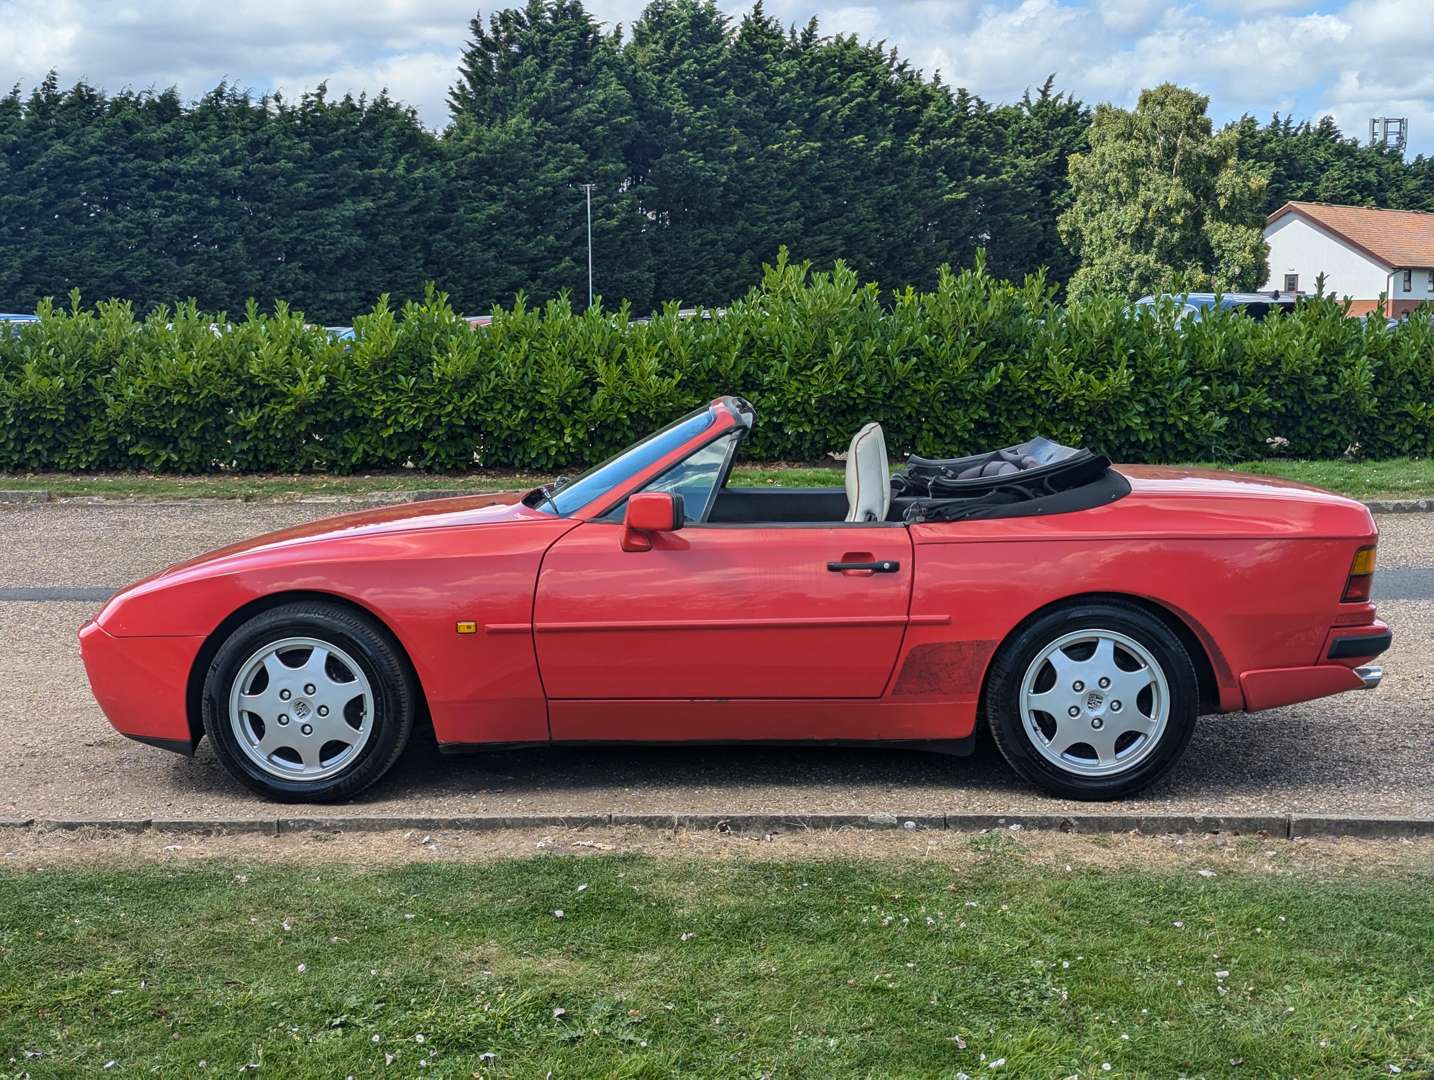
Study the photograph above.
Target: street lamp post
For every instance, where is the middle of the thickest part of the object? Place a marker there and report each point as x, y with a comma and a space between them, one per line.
589, 189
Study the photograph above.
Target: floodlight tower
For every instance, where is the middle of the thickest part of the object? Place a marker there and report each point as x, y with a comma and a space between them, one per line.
1389, 131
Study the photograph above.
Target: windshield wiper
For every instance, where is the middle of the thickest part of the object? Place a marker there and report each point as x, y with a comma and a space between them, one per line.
549, 490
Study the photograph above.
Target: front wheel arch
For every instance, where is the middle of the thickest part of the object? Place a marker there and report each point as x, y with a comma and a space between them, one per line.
194, 686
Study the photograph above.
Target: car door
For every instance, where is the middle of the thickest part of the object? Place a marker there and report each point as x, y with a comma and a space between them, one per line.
720, 613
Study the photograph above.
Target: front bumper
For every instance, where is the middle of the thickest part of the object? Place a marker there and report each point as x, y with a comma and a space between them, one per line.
141, 684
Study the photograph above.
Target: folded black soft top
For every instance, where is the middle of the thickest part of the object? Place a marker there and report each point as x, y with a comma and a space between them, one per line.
1038, 476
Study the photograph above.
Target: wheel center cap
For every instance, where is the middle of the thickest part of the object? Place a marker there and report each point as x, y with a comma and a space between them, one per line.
1094, 701
301, 709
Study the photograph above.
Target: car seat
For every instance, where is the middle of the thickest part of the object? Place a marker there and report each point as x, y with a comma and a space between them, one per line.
868, 476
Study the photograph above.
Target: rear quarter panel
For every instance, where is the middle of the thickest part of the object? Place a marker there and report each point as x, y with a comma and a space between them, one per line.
1257, 578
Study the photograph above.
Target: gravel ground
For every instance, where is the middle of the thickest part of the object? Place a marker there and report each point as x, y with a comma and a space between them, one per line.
1406, 541
1355, 754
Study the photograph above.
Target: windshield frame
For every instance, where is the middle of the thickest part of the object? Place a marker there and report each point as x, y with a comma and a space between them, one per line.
726, 413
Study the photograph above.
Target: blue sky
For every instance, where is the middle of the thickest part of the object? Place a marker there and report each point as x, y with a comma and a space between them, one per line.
1353, 60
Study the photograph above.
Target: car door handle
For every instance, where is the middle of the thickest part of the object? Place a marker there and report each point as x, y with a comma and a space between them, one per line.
881, 566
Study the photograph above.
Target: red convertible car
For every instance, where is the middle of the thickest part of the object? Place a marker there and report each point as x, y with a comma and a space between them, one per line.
1086, 614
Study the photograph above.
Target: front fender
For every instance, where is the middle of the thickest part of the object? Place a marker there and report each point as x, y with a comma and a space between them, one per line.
479, 687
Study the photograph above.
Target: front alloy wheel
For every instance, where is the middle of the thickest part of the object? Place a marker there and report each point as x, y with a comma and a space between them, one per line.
1093, 701
301, 709
309, 702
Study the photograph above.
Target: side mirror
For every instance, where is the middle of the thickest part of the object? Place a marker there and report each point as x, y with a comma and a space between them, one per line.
650, 512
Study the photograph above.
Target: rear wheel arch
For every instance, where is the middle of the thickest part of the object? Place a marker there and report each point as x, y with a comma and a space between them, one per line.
1195, 643
1067, 735
194, 686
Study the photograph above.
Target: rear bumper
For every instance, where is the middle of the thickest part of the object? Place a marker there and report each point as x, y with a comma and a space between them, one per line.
141, 684
1363, 644
1342, 669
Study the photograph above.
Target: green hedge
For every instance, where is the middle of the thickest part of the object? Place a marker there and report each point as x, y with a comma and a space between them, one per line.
975, 363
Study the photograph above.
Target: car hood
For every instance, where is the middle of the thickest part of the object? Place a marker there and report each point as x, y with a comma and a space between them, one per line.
404, 517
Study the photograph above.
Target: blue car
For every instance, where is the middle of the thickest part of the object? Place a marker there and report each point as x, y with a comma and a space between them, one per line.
1194, 305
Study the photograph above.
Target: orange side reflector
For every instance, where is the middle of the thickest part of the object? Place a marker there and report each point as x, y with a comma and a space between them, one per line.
467, 628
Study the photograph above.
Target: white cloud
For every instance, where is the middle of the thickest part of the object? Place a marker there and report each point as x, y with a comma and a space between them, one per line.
863, 20
419, 79
1132, 16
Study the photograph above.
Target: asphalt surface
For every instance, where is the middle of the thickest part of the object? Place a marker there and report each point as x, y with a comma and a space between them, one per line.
1362, 753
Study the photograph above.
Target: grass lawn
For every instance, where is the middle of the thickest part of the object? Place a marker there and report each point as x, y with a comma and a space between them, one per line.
1395, 478
716, 967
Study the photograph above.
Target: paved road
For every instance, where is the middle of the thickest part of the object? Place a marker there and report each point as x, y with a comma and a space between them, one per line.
1358, 753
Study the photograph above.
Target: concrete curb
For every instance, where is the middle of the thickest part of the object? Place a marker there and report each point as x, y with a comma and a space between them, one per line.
122, 825
1276, 826
1302, 826
226, 827
1400, 506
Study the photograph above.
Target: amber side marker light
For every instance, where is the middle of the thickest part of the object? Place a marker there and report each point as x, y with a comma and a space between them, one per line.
1361, 577
467, 627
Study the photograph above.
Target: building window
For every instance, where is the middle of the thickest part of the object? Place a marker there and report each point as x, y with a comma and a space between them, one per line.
1431, 280
1409, 281
1292, 283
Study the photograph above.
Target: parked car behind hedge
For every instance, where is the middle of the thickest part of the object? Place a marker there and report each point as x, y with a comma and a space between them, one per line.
1192, 307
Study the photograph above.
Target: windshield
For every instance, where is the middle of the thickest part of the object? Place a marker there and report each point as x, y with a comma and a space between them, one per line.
601, 479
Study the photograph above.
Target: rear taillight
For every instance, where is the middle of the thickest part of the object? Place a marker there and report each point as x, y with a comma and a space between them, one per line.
1361, 577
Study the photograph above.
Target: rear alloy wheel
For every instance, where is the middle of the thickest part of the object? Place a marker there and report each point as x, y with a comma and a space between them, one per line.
1093, 701
309, 702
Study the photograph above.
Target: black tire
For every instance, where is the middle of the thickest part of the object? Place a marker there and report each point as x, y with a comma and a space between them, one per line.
1003, 691
394, 691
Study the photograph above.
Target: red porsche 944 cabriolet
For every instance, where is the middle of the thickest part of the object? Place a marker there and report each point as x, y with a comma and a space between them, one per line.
1087, 614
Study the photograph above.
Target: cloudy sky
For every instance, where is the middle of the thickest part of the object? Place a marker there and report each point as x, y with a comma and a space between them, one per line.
1353, 59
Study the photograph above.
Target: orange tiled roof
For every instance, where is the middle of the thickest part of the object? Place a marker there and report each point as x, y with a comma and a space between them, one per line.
1397, 238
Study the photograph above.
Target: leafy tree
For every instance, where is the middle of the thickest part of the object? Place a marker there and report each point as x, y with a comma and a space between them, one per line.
540, 108
1159, 202
1314, 162
693, 151
837, 148
137, 196
1042, 132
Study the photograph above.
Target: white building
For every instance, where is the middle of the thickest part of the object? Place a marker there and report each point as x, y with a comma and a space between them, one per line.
1364, 253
